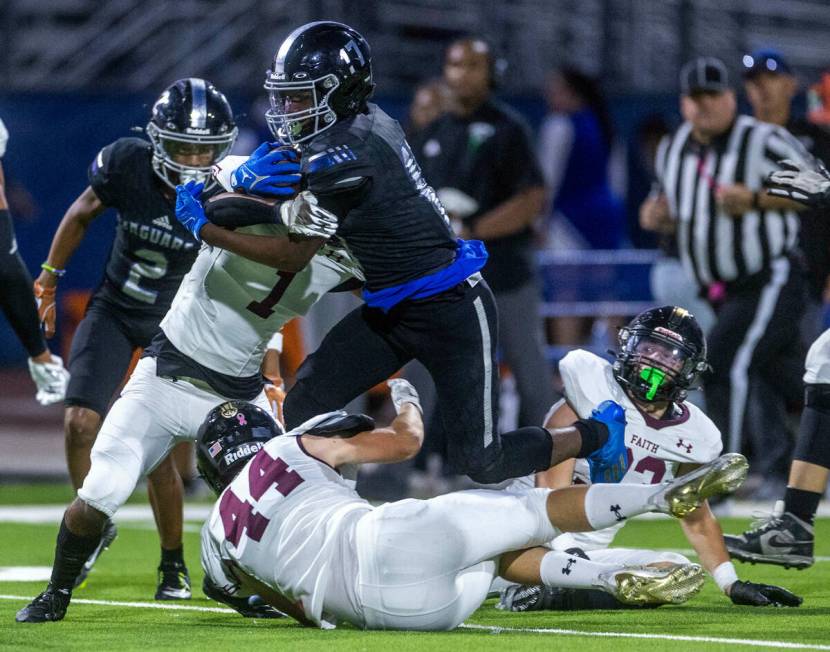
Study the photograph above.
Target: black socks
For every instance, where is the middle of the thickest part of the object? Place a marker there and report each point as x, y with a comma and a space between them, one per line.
803, 504
71, 551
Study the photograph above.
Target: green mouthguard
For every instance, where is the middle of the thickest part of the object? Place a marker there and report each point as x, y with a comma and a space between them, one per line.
655, 378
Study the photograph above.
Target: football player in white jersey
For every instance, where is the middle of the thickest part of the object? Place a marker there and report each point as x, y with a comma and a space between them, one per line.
786, 537
662, 352
290, 527
209, 350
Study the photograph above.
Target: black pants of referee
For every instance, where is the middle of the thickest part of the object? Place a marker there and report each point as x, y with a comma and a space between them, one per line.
16, 297
454, 335
756, 334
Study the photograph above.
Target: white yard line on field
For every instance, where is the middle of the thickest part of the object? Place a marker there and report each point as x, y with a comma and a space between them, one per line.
488, 628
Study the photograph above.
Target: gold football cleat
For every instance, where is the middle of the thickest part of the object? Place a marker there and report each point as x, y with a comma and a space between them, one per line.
685, 494
647, 585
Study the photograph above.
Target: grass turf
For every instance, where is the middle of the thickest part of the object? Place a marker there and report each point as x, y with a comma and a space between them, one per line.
127, 573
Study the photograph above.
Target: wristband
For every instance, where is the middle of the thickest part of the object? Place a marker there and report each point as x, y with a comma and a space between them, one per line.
52, 270
725, 575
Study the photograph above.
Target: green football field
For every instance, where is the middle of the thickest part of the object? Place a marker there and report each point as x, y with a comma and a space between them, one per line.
115, 609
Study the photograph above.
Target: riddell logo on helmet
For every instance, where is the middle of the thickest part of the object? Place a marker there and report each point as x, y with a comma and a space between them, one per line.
198, 131
245, 450
668, 333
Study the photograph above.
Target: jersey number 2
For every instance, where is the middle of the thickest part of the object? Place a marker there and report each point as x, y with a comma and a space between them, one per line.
265, 307
153, 265
238, 516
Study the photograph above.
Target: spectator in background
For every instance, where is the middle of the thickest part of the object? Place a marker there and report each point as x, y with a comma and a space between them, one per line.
771, 86
480, 160
431, 100
574, 150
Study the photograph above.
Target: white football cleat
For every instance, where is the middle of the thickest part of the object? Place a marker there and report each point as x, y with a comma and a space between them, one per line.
51, 379
685, 494
648, 585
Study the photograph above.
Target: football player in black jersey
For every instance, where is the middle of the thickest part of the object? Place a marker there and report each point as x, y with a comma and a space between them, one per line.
191, 128
18, 304
425, 298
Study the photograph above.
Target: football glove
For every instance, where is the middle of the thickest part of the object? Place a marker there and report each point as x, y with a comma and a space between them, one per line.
801, 182
275, 393
46, 313
762, 595
402, 392
269, 172
51, 379
189, 209
610, 462
250, 607
303, 216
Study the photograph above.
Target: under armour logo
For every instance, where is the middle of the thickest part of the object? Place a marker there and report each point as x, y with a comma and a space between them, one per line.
617, 509
683, 444
569, 565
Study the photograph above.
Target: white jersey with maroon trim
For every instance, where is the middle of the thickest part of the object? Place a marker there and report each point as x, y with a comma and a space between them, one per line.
228, 307
655, 447
287, 519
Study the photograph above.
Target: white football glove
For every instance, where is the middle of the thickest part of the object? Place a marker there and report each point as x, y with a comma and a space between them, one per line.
801, 182
51, 379
403, 392
4, 138
303, 216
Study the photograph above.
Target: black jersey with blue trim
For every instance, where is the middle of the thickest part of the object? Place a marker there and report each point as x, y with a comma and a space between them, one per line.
152, 252
363, 170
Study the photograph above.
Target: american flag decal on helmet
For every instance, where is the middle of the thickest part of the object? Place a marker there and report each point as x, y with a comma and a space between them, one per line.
215, 449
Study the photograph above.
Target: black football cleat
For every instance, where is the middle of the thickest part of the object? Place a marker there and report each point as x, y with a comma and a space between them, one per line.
782, 539
49, 606
108, 535
174, 582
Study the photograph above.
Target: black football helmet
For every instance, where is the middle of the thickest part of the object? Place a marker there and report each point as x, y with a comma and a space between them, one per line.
321, 72
191, 129
662, 353
231, 434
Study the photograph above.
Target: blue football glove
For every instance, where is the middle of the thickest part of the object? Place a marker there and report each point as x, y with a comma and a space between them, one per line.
609, 463
269, 172
189, 209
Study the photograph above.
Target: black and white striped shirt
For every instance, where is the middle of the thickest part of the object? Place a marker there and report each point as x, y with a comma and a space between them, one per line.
713, 245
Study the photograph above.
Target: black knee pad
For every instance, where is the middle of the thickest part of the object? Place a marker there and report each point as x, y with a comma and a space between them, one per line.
813, 443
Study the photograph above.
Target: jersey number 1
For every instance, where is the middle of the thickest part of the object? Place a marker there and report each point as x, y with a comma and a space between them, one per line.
265, 307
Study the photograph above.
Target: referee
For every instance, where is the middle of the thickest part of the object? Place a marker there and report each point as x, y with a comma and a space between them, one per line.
735, 241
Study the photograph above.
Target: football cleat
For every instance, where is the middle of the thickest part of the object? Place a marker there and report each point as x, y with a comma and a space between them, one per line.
250, 607
530, 597
647, 585
51, 379
174, 582
108, 535
685, 494
47, 607
781, 538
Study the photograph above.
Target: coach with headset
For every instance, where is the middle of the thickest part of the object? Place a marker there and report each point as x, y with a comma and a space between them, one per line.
479, 159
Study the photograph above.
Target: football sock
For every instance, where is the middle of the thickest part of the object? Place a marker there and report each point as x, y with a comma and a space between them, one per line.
171, 557
71, 551
563, 569
803, 504
609, 504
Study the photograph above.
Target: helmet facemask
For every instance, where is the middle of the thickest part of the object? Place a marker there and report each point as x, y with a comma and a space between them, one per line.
656, 366
290, 125
169, 145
